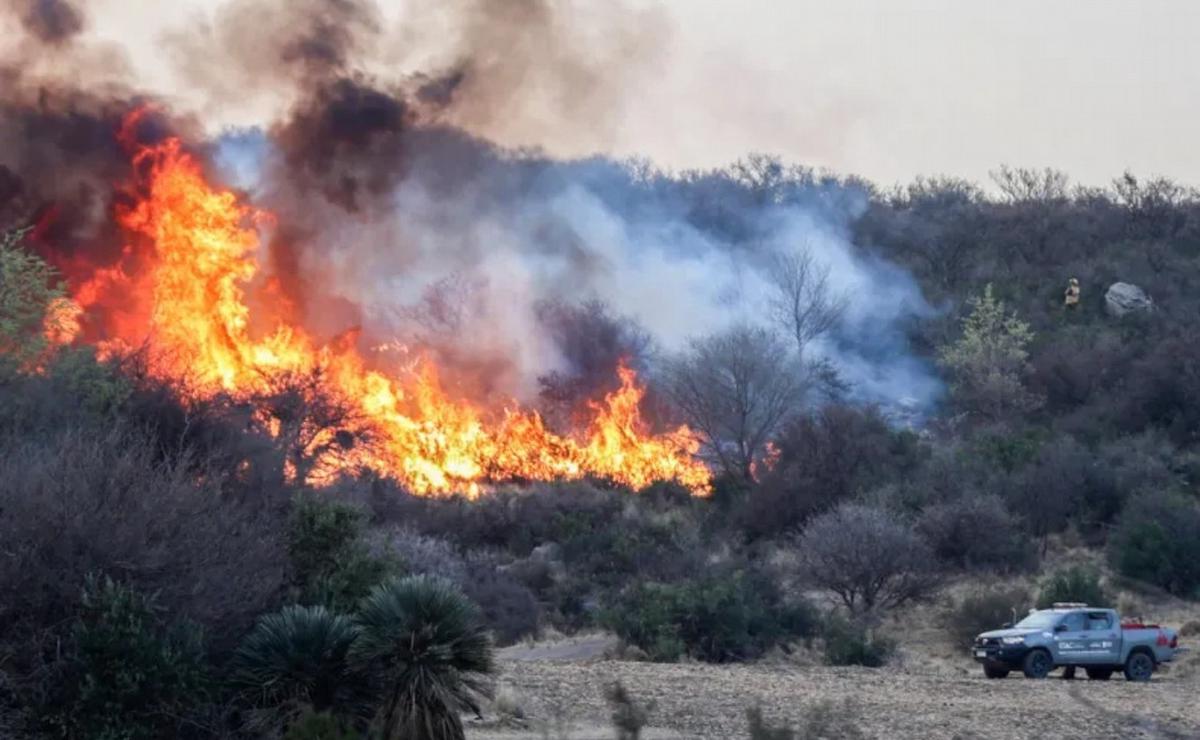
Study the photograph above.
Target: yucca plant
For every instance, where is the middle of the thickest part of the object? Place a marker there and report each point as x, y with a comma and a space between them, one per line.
427, 647
297, 661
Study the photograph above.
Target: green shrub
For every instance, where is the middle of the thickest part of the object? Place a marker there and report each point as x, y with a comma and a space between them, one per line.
296, 662
1157, 540
128, 675
430, 655
983, 610
332, 565
1075, 584
29, 291
96, 386
847, 643
717, 617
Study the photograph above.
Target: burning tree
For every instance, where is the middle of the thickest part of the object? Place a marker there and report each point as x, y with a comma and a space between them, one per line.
736, 388
317, 428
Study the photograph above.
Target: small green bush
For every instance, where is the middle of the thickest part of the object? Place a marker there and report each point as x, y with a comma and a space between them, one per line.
847, 643
983, 610
97, 386
429, 654
1157, 540
296, 662
128, 676
332, 565
1075, 584
718, 617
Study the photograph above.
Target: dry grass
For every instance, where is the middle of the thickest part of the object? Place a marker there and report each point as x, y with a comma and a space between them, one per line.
931, 690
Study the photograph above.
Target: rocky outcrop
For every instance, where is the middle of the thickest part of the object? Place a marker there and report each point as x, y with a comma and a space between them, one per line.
1126, 298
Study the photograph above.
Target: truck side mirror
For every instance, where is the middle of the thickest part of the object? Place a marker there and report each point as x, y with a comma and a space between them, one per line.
1060, 628
1006, 625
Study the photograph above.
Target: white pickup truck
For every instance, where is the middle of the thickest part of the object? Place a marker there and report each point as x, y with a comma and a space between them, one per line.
1076, 635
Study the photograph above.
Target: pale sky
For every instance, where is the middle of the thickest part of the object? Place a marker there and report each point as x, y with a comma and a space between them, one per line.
889, 89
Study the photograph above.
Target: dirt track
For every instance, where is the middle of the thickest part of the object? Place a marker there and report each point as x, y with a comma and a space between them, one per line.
703, 701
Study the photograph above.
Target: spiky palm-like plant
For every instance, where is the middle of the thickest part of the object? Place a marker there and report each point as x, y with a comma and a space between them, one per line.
426, 642
298, 660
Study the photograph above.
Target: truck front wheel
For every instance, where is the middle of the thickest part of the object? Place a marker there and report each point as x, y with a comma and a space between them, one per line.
995, 671
1037, 664
1139, 666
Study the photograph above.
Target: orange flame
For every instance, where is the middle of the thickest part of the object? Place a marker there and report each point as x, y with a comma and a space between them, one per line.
198, 326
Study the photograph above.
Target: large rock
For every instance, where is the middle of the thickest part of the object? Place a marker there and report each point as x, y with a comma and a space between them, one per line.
1126, 298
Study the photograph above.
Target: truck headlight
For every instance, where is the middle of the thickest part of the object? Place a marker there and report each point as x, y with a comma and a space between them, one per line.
1012, 640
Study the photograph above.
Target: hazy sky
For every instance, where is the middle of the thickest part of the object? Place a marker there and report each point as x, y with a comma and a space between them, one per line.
889, 89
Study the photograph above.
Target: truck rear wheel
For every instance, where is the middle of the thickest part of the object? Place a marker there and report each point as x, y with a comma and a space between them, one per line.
994, 671
1037, 664
1139, 666
1099, 674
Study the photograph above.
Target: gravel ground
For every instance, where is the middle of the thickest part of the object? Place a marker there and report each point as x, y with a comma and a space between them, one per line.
704, 701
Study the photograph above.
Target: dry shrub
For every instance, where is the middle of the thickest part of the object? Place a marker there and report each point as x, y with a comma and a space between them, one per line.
868, 558
90, 500
983, 610
507, 705
629, 716
821, 721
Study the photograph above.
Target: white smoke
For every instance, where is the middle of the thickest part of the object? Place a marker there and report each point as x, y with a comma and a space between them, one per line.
518, 232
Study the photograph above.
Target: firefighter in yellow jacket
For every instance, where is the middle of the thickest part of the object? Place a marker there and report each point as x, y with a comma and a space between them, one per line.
1071, 297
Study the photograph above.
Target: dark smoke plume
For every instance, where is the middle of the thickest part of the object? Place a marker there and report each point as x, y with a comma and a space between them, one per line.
346, 141
401, 210
52, 21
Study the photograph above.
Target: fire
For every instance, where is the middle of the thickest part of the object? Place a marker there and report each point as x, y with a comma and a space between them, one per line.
195, 318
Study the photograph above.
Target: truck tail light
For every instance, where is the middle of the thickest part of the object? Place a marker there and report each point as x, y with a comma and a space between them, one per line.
1162, 640
1174, 642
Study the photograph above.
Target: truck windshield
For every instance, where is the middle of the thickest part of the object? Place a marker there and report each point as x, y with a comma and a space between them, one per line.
1038, 621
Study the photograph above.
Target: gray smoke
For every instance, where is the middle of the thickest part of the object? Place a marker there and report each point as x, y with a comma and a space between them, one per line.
393, 216
470, 242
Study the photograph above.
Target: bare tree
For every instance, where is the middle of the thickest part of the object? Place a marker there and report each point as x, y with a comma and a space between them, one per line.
1024, 185
804, 303
867, 558
735, 388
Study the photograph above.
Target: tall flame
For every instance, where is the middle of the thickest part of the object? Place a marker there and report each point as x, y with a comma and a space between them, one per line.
198, 324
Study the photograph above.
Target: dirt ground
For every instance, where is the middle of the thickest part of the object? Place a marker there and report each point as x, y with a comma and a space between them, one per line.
931, 690
701, 701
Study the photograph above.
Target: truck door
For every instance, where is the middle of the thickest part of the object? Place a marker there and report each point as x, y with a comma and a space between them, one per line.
1104, 638
1071, 638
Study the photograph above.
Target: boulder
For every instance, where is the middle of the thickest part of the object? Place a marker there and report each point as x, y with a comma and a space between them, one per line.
1126, 298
